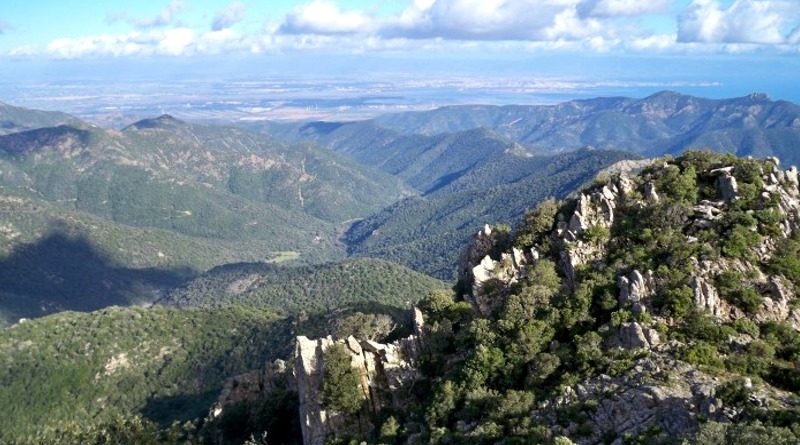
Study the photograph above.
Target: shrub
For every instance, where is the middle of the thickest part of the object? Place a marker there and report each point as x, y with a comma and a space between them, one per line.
703, 354
677, 301
734, 393
786, 260
677, 184
734, 289
341, 390
537, 226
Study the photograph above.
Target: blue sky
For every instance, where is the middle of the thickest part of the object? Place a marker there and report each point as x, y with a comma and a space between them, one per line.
745, 45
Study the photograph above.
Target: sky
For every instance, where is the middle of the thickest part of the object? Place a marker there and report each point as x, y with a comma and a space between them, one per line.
730, 47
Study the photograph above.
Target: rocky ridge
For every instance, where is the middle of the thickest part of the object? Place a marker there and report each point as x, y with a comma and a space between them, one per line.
659, 392
664, 311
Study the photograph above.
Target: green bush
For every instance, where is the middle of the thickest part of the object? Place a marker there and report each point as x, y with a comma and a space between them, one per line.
341, 390
703, 354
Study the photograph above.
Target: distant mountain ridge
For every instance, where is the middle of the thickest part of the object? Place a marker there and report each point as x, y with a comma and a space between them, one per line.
663, 123
14, 119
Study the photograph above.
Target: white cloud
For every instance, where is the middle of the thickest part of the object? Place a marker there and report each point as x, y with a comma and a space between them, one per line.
325, 17
657, 42
527, 20
743, 22
165, 17
176, 42
173, 42
621, 8
231, 15
455, 25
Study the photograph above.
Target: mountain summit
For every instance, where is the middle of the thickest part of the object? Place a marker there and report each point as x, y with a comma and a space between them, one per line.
165, 121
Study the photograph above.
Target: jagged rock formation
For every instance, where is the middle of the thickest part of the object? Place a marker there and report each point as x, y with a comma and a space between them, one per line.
386, 370
645, 398
596, 210
484, 272
593, 210
660, 391
634, 289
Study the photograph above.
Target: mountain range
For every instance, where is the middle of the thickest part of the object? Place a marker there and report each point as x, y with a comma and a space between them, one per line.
162, 194
154, 278
469, 162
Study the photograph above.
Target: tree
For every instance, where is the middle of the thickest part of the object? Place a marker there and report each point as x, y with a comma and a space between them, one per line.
537, 225
364, 326
389, 430
341, 389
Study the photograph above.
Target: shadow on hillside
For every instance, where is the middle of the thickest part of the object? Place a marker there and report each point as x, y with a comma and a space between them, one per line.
180, 408
64, 272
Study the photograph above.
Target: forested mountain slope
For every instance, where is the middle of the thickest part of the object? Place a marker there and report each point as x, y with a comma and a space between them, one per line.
291, 289
423, 232
68, 372
655, 309
94, 217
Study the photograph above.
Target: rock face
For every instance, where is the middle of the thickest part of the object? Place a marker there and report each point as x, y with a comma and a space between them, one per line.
594, 209
482, 272
634, 288
634, 336
386, 370
482, 245
643, 398
726, 183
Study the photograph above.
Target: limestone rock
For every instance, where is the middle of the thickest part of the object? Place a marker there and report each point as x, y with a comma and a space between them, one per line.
635, 288
634, 336
777, 307
508, 270
650, 193
386, 370
482, 244
707, 298
726, 183
594, 209
419, 322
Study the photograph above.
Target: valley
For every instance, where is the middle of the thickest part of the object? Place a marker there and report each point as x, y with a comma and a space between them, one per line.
145, 270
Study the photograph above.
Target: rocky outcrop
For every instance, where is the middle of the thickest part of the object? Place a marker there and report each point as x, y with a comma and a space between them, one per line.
777, 305
777, 295
483, 243
634, 336
650, 193
594, 209
726, 183
483, 273
657, 392
492, 274
783, 187
635, 288
386, 370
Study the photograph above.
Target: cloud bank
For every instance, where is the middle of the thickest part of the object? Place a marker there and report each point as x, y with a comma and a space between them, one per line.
423, 25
